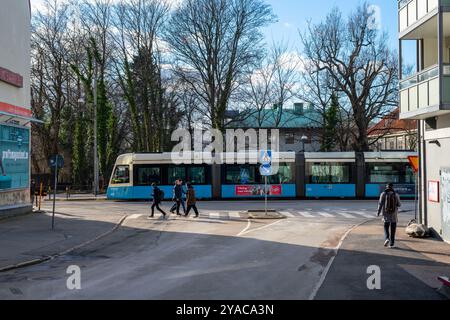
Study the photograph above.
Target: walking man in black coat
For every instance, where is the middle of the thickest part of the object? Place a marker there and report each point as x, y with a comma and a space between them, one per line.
157, 198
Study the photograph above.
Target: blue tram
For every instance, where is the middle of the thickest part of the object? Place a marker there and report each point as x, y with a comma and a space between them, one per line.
345, 175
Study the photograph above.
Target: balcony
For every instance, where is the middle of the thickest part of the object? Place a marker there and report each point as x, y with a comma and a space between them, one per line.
420, 94
411, 12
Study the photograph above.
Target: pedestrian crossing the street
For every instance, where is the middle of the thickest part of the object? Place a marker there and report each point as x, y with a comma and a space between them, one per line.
308, 214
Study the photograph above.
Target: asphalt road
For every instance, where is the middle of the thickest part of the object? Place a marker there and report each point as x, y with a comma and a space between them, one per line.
221, 255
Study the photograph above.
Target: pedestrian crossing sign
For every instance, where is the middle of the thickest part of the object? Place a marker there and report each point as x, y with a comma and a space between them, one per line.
266, 157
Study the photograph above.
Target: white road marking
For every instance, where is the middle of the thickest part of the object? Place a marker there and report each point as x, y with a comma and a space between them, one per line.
287, 214
365, 215
249, 223
135, 216
346, 215
306, 215
234, 214
326, 215
257, 229
214, 215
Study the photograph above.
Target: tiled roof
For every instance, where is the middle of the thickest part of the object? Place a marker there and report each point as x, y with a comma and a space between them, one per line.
393, 123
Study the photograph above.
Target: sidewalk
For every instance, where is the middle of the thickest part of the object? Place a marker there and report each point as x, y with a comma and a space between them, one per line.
29, 238
408, 272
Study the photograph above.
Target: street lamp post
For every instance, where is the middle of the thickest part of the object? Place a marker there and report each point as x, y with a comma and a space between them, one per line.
96, 178
303, 139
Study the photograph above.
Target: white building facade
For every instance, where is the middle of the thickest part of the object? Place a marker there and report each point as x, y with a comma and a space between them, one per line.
424, 27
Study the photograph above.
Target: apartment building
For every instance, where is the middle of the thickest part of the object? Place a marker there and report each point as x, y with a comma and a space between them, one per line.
424, 38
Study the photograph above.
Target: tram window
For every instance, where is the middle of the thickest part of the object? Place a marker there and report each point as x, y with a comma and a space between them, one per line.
148, 175
390, 172
330, 173
175, 173
241, 175
121, 175
197, 175
284, 175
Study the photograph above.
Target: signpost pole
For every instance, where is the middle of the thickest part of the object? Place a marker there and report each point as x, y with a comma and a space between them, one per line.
265, 192
40, 196
54, 194
416, 204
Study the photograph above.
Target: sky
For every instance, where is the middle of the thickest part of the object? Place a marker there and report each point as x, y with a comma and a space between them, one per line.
294, 14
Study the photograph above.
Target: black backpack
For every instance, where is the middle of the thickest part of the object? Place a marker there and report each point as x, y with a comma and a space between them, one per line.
391, 202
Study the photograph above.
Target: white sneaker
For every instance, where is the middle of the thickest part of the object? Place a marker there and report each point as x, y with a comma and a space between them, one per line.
386, 243
391, 247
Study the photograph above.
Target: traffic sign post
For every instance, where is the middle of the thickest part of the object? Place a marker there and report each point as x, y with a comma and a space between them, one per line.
414, 162
55, 162
266, 171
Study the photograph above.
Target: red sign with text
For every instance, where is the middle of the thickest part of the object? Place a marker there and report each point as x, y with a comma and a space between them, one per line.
11, 78
18, 111
258, 190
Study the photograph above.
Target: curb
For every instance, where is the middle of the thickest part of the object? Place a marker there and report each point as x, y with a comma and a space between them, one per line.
77, 199
54, 256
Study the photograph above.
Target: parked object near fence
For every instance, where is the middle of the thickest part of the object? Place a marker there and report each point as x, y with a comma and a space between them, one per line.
415, 230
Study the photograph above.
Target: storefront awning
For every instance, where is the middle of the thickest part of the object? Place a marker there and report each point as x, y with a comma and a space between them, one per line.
20, 119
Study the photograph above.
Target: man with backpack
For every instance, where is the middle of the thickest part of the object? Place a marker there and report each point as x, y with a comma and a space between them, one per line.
158, 197
178, 197
388, 205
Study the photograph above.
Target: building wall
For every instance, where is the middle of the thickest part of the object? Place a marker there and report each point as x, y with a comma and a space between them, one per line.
15, 33
15, 36
437, 158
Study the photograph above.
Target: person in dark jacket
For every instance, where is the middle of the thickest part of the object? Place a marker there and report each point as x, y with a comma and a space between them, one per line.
178, 197
191, 200
156, 194
388, 205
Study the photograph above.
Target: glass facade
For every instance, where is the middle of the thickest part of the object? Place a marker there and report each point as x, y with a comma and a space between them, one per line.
14, 157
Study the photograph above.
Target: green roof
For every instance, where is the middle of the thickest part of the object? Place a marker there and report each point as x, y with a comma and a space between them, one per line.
271, 119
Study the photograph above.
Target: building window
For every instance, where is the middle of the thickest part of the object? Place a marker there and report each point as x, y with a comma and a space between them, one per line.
391, 143
401, 143
289, 138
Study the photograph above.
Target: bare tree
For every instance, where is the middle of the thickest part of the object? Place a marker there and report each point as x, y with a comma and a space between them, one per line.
50, 74
215, 43
362, 67
266, 91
